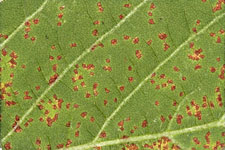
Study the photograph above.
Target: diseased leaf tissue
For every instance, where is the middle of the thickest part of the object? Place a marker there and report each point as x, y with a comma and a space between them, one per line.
112, 74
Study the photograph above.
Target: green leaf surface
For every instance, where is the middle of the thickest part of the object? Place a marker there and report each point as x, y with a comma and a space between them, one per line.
112, 74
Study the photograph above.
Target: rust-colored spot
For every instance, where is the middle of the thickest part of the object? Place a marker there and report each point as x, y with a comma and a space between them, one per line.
26, 36
126, 37
68, 124
53, 79
149, 42
27, 97
100, 8
194, 30
73, 45
122, 88
59, 23
36, 21
162, 36
195, 139
18, 129
218, 39
150, 13
95, 32
8, 146
152, 6
96, 22
136, 40
38, 142
92, 119
132, 147
151, 21
127, 5
130, 79
162, 118
83, 114
102, 134
60, 15
166, 46
212, 69
198, 67
157, 103
138, 54
59, 146
121, 16
179, 118
114, 41
144, 123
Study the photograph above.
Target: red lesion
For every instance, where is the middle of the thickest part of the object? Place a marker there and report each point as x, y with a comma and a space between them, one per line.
217, 35
83, 114
38, 141
114, 41
127, 5
102, 134
135, 40
73, 44
179, 119
138, 54
28, 122
121, 16
68, 143
151, 21
27, 97
144, 124
8, 146
28, 27
3, 36
126, 37
53, 78
222, 72
122, 88
218, 5
97, 22
107, 68
196, 141
130, 79
15, 125
92, 119
95, 32
77, 133
219, 97
163, 37
100, 8
132, 146
12, 61
68, 124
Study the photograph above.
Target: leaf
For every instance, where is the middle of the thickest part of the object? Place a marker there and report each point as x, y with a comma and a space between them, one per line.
79, 74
